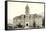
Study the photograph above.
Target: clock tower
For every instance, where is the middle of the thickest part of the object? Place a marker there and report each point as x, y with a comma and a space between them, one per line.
27, 16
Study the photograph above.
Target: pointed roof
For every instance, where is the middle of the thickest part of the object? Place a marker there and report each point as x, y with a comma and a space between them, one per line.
27, 7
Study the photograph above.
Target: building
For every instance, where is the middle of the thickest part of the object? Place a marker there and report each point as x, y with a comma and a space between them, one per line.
28, 20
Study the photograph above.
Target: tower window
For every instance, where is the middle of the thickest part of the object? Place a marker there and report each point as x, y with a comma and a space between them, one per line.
24, 16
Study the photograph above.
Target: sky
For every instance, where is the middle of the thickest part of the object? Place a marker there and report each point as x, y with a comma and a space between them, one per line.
18, 8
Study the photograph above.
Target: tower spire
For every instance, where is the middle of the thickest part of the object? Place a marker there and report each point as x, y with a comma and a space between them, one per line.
27, 9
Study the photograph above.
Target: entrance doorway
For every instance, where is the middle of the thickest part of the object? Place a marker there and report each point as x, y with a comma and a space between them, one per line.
26, 24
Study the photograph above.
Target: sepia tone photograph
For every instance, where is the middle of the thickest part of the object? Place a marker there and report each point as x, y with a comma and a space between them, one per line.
25, 15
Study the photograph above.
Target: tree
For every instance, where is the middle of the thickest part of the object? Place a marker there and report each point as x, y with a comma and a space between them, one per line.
19, 26
34, 25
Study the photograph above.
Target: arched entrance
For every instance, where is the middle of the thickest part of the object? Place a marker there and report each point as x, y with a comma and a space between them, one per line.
26, 24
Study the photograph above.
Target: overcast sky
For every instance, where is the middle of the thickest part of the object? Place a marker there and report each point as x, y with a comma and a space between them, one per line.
18, 8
